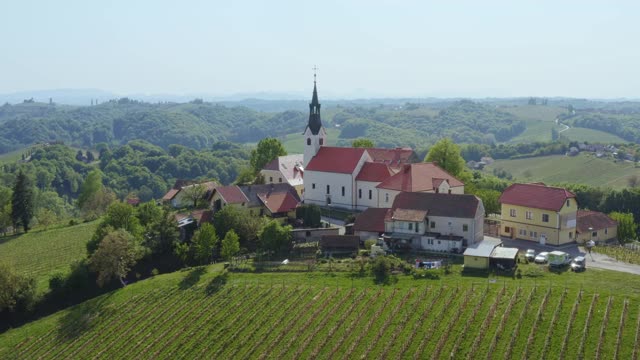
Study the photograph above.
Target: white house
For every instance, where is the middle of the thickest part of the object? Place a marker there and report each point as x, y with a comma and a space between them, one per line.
285, 169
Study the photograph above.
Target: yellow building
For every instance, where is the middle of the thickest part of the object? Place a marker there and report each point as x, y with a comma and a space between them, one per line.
540, 213
286, 169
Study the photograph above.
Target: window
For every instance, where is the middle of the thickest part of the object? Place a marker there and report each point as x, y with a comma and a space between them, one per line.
417, 227
313, 186
449, 191
568, 203
308, 141
433, 224
594, 234
522, 232
529, 215
279, 179
465, 227
438, 242
343, 191
430, 241
321, 141
328, 189
308, 233
410, 226
507, 229
545, 217
359, 193
570, 235
512, 212
386, 197
370, 194
270, 179
606, 231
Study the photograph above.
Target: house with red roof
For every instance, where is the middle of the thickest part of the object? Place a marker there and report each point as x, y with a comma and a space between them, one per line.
273, 200
179, 195
596, 226
539, 213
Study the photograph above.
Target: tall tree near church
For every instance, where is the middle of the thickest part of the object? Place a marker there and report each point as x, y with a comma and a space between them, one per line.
22, 208
362, 143
447, 155
267, 150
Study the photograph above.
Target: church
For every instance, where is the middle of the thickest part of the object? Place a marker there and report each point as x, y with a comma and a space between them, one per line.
360, 178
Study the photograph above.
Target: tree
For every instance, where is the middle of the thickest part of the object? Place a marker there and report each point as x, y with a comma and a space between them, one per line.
16, 291
90, 157
362, 143
626, 226
230, 245
204, 241
194, 193
162, 233
242, 222
310, 214
275, 237
119, 216
46, 217
90, 187
447, 155
117, 253
489, 200
267, 150
22, 202
5, 218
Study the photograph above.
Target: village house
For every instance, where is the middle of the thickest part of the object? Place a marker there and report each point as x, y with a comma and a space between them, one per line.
274, 200
426, 221
288, 168
596, 226
178, 195
540, 213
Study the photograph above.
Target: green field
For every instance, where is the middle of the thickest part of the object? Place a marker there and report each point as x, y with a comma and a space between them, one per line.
39, 253
583, 169
12, 156
203, 313
592, 136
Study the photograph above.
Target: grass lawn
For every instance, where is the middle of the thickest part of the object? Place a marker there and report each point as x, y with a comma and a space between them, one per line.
584, 169
592, 136
42, 252
206, 313
12, 156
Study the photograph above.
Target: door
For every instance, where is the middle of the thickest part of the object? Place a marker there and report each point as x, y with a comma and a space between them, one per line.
543, 239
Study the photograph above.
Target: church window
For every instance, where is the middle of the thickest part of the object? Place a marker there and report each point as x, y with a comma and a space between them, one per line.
359, 193
308, 141
386, 197
343, 191
279, 179
270, 179
321, 141
370, 194
328, 189
313, 186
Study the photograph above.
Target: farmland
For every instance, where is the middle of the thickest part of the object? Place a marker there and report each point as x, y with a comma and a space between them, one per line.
584, 169
39, 253
204, 313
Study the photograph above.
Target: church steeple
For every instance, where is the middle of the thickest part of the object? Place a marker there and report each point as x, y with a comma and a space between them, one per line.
314, 135
314, 109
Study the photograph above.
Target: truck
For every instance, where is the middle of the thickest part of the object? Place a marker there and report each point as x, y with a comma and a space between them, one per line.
559, 258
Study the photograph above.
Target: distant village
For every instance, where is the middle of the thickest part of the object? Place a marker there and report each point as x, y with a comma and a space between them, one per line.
401, 203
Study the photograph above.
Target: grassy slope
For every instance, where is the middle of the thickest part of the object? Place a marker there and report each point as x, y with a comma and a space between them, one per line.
12, 156
592, 136
584, 168
201, 313
39, 253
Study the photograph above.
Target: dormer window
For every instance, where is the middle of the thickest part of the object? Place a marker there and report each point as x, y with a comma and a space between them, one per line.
308, 141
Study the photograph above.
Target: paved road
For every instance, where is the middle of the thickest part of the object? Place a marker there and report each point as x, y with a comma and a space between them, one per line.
594, 260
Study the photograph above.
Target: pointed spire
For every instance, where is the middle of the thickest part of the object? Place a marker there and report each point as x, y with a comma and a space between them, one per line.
314, 108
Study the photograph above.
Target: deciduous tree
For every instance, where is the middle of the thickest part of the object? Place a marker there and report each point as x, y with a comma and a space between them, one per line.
362, 143
16, 291
447, 155
204, 241
117, 252
194, 193
626, 226
230, 245
275, 237
267, 150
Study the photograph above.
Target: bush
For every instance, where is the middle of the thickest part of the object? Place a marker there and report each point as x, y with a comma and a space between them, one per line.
381, 269
73, 222
57, 281
370, 242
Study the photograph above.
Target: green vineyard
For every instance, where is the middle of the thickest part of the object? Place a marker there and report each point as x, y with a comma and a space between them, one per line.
229, 319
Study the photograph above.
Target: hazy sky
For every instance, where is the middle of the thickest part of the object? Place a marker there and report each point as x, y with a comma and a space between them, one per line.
363, 48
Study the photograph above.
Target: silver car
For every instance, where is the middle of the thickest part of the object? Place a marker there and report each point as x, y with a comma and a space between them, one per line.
542, 258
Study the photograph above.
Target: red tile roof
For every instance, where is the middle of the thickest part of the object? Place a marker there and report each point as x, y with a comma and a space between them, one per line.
232, 194
538, 196
371, 220
375, 172
594, 220
392, 157
336, 159
449, 205
419, 177
279, 202
170, 194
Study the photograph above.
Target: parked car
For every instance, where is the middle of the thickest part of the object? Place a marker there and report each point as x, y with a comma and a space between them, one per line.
541, 258
579, 263
530, 254
559, 258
